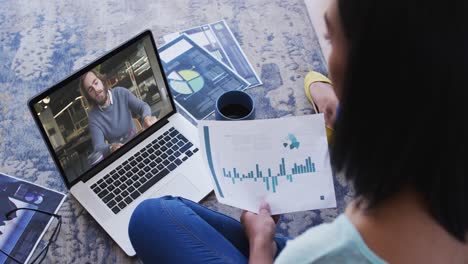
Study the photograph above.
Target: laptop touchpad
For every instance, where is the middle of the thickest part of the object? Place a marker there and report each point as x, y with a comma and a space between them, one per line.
179, 186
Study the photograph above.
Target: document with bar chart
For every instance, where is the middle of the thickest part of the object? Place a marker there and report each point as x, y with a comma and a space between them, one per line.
284, 162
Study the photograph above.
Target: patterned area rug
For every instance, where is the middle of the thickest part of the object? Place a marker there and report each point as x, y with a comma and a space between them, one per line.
44, 41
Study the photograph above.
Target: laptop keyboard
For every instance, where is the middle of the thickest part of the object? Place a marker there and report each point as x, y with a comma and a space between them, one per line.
141, 171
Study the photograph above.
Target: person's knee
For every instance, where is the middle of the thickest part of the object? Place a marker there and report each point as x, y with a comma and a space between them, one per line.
150, 216
146, 208
149, 210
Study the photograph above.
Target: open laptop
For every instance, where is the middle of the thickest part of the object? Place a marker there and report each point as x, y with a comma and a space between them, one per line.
100, 127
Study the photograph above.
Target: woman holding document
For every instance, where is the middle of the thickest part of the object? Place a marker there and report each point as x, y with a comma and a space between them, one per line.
395, 66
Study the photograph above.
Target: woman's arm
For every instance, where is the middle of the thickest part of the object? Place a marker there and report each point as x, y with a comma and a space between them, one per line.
260, 229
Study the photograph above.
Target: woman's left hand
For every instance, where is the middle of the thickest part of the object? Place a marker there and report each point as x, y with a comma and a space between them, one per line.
260, 229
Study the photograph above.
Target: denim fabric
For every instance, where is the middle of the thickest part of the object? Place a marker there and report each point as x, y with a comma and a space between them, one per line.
176, 230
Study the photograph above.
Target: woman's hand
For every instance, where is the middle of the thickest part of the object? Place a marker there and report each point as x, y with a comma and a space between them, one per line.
260, 229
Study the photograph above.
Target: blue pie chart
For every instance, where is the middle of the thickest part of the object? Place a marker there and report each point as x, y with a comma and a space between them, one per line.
186, 81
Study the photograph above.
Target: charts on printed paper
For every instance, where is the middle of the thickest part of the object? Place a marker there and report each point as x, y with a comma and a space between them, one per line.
282, 161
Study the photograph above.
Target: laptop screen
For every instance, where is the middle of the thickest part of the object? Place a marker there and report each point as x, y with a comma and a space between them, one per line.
88, 117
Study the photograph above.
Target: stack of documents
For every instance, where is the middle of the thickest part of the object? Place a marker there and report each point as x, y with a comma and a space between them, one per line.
203, 62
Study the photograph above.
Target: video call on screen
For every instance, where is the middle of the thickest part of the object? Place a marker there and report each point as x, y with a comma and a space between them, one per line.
131, 78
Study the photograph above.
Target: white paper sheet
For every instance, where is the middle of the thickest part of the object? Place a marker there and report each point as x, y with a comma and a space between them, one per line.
284, 162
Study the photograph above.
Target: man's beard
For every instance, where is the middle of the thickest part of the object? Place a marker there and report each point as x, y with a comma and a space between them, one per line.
103, 101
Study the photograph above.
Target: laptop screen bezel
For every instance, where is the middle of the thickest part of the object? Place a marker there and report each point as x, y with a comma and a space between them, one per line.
132, 143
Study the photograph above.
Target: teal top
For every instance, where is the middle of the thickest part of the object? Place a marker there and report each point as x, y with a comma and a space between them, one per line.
336, 242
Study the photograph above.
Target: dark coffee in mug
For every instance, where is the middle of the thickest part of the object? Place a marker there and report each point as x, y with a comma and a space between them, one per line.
235, 111
234, 105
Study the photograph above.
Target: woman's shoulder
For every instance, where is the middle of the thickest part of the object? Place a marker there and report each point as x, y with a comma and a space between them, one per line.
313, 243
333, 242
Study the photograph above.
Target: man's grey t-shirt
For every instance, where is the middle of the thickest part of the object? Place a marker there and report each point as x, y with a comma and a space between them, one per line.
114, 123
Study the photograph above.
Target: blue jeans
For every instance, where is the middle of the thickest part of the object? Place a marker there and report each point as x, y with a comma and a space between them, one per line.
176, 230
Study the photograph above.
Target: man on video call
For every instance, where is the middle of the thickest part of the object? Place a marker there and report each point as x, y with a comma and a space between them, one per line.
111, 116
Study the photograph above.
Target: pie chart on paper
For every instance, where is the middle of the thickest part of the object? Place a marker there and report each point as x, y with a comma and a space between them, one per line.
186, 81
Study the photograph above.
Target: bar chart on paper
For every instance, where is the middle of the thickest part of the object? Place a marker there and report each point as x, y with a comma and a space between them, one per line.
271, 179
288, 167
